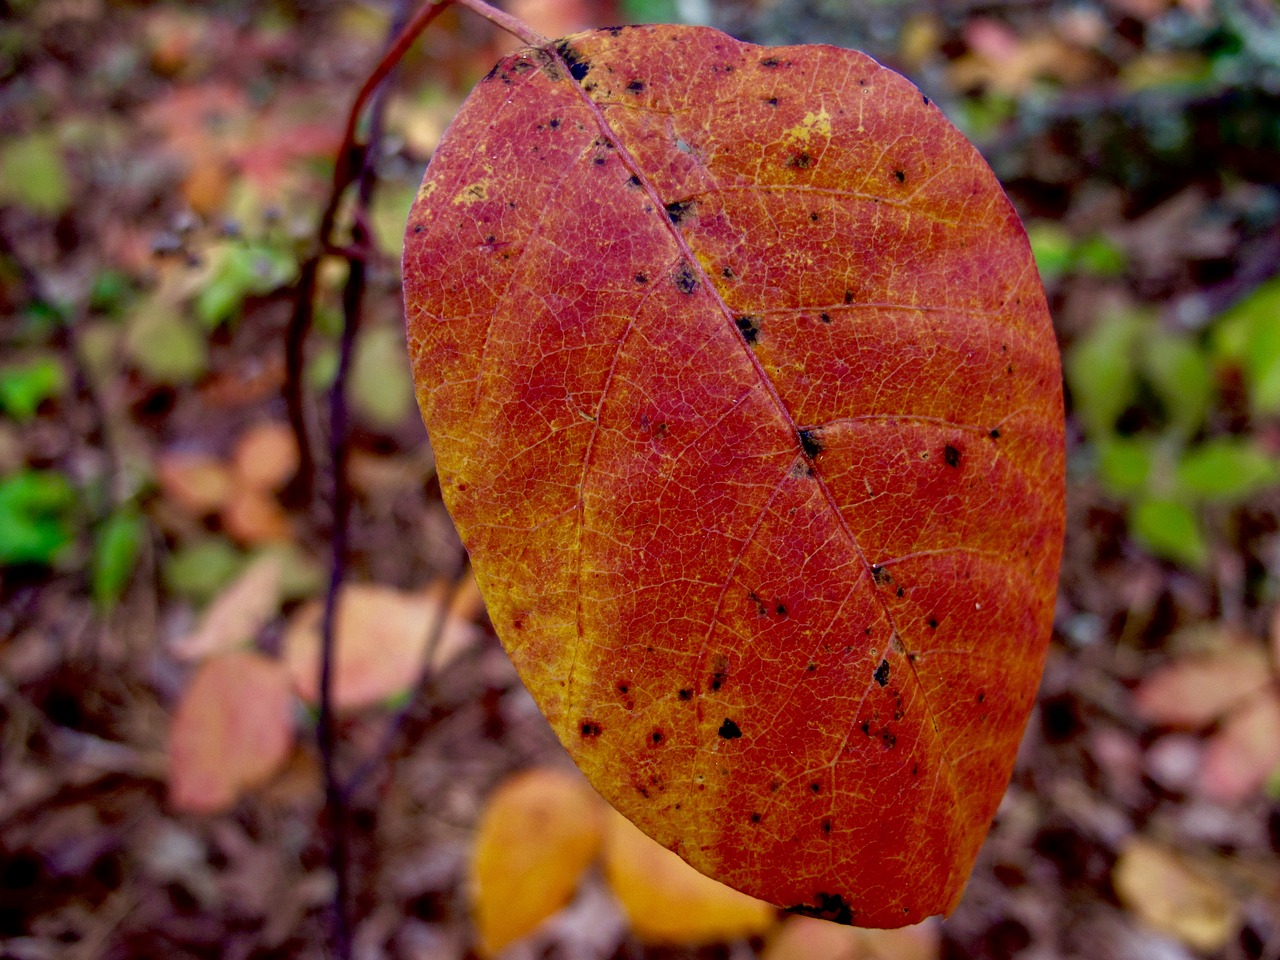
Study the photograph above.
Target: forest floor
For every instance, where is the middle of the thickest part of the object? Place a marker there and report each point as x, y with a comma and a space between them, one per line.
162, 169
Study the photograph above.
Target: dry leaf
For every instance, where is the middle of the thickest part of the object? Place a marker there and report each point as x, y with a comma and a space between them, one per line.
266, 456
539, 832
1244, 753
231, 731
1196, 690
252, 516
382, 635
666, 900
238, 613
198, 483
806, 938
1175, 897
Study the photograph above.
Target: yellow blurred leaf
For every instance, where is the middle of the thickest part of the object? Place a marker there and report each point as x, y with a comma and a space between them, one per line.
238, 613
1174, 896
540, 831
232, 730
382, 637
666, 900
806, 938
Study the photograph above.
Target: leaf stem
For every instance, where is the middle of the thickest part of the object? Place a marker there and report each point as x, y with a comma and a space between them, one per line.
512, 25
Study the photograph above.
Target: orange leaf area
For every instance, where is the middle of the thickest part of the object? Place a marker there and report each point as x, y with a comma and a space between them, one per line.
540, 831
382, 635
232, 730
746, 403
667, 902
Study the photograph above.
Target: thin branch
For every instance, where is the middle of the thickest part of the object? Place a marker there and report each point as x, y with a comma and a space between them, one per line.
505, 21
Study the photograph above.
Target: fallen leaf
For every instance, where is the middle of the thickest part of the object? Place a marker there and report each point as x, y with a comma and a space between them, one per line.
539, 832
232, 730
254, 517
1196, 690
266, 456
198, 483
1175, 897
1245, 752
746, 403
804, 938
238, 614
667, 901
381, 639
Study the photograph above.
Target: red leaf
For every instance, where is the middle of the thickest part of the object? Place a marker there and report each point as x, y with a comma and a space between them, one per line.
746, 403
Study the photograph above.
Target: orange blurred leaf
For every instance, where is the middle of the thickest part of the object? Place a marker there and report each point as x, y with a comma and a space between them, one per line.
539, 832
746, 403
381, 639
1196, 690
266, 456
232, 730
236, 615
197, 483
1175, 896
666, 900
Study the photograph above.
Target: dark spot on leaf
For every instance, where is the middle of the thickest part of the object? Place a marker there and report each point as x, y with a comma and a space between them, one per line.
952, 456
719, 671
824, 317
882, 673
915, 769
982, 696
641, 278
657, 737
772, 101
684, 278
865, 726
591, 729
899, 176
680, 211
578, 67
810, 443
623, 687
418, 228
826, 906
826, 824
769, 62
599, 161
633, 181
730, 730
811, 668
761, 609
756, 818
781, 610
814, 217
800, 161
848, 296
555, 123
635, 86
749, 327
888, 739
685, 694
933, 623
994, 434
900, 592
925, 99
815, 787
775, 786
881, 575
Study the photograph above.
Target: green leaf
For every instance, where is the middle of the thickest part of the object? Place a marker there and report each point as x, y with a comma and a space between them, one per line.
115, 553
164, 344
1099, 257
1179, 373
32, 174
1169, 530
1226, 470
198, 571
242, 270
1248, 335
381, 388
35, 507
1053, 248
24, 386
1100, 372
1124, 464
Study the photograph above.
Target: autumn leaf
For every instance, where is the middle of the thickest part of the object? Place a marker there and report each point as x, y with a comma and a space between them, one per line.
747, 406
1175, 895
231, 731
539, 833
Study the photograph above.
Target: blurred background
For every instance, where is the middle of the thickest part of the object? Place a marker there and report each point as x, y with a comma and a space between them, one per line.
163, 167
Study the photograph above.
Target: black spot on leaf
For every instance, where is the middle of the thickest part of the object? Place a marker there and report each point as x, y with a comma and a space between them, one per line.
882, 673
810, 443
591, 729
680, 211
952, 456
684, 278
749, 327
730, 730
635, 86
